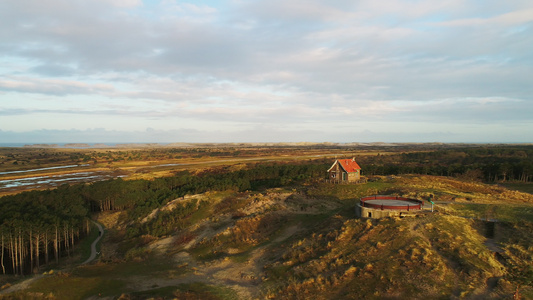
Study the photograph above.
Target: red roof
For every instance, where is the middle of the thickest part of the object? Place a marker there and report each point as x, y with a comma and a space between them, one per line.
349, 165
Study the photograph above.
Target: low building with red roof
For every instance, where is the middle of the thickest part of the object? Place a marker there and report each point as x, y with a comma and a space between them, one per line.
344, 170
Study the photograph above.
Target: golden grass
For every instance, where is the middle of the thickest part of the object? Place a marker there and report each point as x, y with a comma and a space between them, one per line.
449, 189
330, 254
66, 286
386, 259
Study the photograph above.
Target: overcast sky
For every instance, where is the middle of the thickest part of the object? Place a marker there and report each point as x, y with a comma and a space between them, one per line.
266, 71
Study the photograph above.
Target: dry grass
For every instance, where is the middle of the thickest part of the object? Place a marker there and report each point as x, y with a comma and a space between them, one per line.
449, 189
385, 259
304, 243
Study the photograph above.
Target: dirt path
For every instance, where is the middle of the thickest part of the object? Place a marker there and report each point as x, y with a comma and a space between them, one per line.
93, 245
21, 285
244, 278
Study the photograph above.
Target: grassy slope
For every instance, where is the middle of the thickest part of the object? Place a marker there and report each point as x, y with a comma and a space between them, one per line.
520, 186
304, 242
387, 258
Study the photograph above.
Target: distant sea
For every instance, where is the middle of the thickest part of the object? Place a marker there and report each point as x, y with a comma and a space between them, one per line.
11, 145
58, 145
73, 145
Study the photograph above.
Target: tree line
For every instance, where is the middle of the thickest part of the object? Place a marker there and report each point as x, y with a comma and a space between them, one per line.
39, 226
488, 164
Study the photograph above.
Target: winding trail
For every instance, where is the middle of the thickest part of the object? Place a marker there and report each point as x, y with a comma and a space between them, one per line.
93, 245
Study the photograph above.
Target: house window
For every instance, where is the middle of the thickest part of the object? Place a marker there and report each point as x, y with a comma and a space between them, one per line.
333, 175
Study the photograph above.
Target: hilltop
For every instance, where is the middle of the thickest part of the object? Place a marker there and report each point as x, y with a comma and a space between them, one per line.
302, 240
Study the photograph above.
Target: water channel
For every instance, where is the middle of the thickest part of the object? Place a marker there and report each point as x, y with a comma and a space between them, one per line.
53, 180
42, 169
50, 181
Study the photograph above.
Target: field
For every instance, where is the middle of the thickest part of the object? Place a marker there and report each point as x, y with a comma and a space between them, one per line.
87, 165
297, 237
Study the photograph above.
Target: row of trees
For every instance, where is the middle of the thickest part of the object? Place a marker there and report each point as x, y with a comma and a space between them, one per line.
38, 226
493, 164
140, 197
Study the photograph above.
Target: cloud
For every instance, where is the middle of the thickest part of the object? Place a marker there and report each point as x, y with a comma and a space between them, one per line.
254, 134
56, 87
507, 19
308, 65
278, 11
123, 3
53, 70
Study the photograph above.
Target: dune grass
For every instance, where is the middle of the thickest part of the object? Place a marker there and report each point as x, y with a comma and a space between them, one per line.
66, 286
519, 186
314, 247
199, 290
500, 212
105, 280
153, 265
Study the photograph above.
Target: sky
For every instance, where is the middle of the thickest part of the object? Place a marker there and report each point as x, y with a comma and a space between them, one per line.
122, 71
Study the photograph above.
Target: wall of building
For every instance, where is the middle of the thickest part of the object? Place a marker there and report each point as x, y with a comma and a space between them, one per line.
365, 212
336, 171
354, 176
